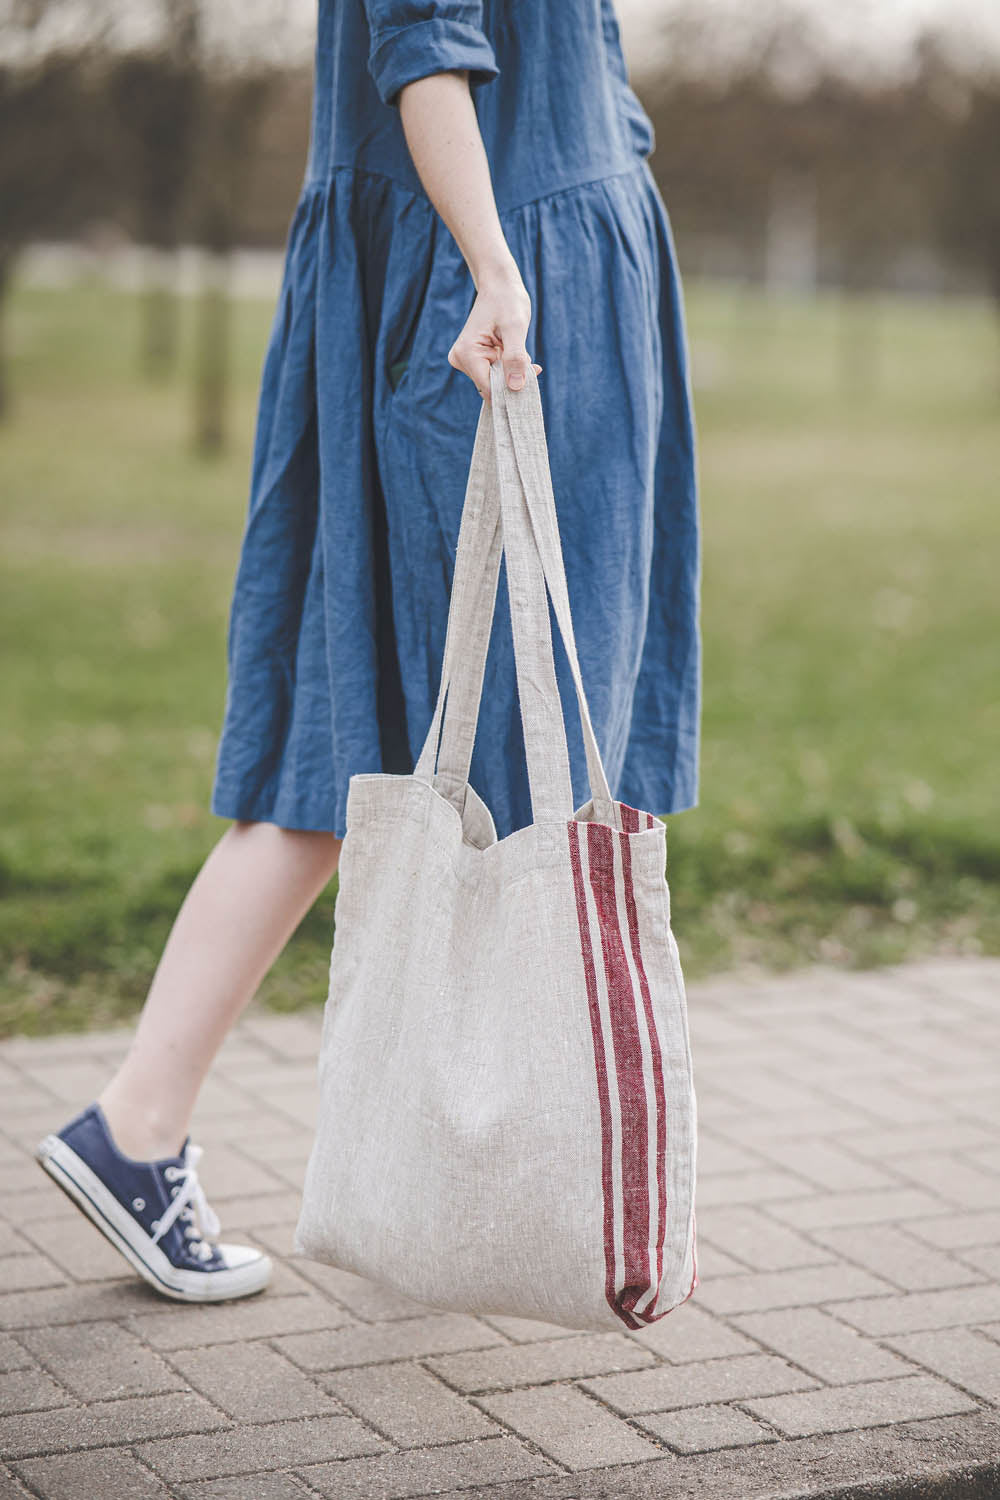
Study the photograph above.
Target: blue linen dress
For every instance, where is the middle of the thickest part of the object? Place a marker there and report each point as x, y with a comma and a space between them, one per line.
365, 432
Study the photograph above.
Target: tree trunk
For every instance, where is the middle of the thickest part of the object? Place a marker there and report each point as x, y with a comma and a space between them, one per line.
6, 267
212, 354
158, 353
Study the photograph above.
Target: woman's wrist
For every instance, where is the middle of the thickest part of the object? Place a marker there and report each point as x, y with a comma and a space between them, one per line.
495, 267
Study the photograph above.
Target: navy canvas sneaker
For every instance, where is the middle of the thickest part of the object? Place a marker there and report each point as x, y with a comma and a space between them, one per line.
154, 1212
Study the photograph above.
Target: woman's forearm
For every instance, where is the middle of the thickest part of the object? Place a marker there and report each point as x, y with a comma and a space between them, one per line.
442, 133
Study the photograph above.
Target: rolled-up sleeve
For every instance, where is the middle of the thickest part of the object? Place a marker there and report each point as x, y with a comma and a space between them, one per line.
411, 39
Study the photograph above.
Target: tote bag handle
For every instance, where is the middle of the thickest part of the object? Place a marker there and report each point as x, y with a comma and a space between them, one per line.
510, 505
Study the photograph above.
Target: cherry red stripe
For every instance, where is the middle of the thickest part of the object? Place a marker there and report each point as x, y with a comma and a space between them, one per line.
628, 1069
590, 973
632, 916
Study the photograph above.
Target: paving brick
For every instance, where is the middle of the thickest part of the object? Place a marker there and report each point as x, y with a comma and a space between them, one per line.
30, 1390
11, 1488
848, 1407
764, 1290
104, 1474
524, 1330
16, 1176
24, 1273
696, 1384
275, 1143
986, 1261
716, 1154
916, 1311
233, 1376
270, 1445
292, 1172
530, 1364
78, 1249
701, 1429
25, 1095
226, 1174
952, 1178
878, 1096
12, 1243
399, 1475
229, 1128
247, 1487
570, 1428
372, 1344
765, 1185
951, 1231
296, 1105
960, 1355
896, 1255
101, 1361
822, 1346
263, 1316
714, 1262
828, 1166
257, 1209
46, 1201
74, 1082
890, 1141
689, 1333
106, 1422
278, 1239
763, 1088
12, 1355
757, 1130
408, 1405
289, 1037
364, 1299
78, 1304
824, 1209
29, 1049
756, 1239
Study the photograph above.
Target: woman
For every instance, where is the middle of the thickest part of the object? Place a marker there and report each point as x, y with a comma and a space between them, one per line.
463, 152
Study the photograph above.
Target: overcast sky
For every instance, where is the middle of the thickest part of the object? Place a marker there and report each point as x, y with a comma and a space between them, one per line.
876, 29
874, 26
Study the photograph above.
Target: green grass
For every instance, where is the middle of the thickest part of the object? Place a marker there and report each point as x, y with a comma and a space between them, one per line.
849, 808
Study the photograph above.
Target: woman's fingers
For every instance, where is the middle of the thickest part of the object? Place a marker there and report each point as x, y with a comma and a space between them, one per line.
496, 328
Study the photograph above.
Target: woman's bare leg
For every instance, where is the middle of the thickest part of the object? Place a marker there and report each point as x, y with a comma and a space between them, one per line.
246, 901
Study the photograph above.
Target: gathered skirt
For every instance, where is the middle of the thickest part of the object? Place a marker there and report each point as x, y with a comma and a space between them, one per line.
362, 446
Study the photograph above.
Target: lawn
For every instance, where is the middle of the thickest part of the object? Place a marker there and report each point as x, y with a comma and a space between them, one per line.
850, 802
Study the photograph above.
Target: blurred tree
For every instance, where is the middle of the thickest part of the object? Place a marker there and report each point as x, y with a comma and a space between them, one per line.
971, 187
233, 109
51, 136
157, 96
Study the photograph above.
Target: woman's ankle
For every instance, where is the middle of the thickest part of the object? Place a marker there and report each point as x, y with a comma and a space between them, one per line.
138, 1133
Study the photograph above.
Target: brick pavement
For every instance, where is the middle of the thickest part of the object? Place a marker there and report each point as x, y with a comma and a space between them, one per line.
846, 1329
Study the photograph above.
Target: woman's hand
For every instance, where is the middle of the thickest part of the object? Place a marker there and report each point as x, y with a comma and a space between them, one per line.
496, 327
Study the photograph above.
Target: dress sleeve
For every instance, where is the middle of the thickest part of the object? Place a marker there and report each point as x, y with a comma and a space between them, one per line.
413, 38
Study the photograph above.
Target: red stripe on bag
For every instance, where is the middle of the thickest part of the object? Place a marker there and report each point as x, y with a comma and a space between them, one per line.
590, 974
657, 1065
633, 1104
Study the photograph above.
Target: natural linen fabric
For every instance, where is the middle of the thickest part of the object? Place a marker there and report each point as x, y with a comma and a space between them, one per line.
507, 1113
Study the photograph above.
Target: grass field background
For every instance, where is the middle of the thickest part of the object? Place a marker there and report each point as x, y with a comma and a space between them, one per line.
850, 806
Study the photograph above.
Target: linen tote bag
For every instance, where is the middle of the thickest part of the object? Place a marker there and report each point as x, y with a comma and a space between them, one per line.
507, 1118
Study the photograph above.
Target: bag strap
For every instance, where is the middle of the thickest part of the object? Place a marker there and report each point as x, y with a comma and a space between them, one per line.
524, 413
509, 502
470, 618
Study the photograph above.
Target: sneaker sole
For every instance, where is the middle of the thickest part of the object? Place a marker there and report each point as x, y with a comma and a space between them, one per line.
102, 1208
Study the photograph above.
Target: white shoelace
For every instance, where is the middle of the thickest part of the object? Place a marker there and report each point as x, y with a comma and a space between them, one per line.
189, 1202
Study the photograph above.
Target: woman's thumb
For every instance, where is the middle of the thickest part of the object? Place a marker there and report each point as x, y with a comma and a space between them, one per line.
515, 367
